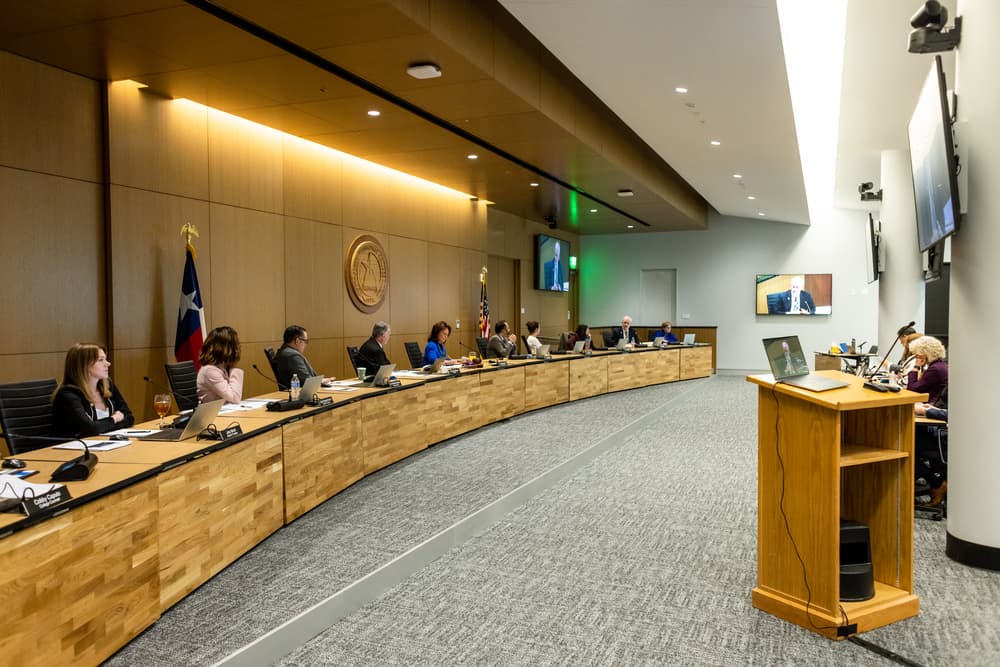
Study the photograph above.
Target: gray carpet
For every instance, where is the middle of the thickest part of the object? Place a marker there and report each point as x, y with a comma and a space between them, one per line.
645, 555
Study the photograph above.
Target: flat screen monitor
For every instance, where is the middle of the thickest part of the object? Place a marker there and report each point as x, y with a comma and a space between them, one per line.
551, 264
932, 157
871, 250
794, 293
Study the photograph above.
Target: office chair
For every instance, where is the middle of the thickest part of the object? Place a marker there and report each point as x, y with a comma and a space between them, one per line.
609, 337
25, 413
932, 465
483, 345
183, 379
772, 303
414, 353
352, 354
271, 356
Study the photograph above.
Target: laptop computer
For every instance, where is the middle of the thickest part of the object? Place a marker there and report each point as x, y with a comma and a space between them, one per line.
622, 342
689, 339
434, 367
788, 364
310, 388
542, 351
578, 346
203, 415
381, 378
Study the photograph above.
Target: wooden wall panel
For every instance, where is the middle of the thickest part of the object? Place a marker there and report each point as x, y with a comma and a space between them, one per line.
20, 367
128, 366
248, 272
312, 180
51, 120
365, 187
215, 509
408, 287
52, 281
83, 584
545, 384
244, 163
157, 144
323, 455
444, 292
147, 253
314, 278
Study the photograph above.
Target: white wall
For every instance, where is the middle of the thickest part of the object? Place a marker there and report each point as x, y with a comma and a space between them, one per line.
715, 280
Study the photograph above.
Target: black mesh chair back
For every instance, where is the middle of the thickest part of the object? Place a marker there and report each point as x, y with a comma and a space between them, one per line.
610, 340
26, 411
270, 354
484, 347
183, 379
352, 354
414, 353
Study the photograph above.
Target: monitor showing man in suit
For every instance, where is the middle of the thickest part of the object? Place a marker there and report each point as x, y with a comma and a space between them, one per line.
552, 264
794, 294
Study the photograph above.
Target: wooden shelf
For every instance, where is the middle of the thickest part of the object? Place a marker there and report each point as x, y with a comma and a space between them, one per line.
856, 455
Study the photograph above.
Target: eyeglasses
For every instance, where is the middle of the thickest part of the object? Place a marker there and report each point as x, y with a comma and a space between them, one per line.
304, 340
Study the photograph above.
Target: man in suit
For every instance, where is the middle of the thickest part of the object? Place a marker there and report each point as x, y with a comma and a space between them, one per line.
626, 331
792, 364
795, 301
554, 272
372, 355
503, 342
290, 358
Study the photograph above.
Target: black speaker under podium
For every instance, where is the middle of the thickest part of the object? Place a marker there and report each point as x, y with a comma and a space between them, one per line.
857, 582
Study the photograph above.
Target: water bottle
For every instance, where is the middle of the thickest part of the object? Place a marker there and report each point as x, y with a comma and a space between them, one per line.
854, 347
295, 387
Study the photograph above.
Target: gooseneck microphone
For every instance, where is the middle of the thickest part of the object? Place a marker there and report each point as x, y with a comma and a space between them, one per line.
269, 378
889, 351
475, 352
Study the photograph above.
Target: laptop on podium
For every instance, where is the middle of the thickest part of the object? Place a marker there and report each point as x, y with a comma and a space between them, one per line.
788, 364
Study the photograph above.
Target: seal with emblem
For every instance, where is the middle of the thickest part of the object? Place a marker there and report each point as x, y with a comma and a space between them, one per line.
367, 273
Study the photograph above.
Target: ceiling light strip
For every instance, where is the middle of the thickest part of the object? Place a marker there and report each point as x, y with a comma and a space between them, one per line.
308, 56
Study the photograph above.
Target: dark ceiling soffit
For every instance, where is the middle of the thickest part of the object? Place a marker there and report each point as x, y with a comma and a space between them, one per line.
308, 56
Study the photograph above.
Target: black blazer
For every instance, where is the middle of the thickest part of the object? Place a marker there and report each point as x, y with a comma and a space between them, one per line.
74, 416
371, 356
633, 335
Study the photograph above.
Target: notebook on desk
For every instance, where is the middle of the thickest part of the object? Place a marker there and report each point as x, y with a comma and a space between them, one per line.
788, 365
203, 415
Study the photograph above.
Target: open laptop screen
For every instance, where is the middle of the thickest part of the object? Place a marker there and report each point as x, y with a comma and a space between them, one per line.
785, 356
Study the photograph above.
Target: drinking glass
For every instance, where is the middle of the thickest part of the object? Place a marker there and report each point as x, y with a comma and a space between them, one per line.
161, 403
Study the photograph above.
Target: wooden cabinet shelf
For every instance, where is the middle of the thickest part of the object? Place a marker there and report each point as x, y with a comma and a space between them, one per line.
855, 455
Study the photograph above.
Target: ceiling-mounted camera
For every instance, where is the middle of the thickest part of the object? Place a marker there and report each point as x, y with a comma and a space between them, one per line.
865, 190
551, 219
929, 34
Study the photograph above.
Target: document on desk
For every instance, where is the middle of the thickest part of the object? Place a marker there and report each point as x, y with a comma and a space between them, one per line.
341, 385
13, 487
133, 432
244, 405
95, 445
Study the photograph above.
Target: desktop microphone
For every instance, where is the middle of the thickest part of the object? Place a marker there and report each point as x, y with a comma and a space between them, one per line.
889, 351
78, 469
268, 378
474, 352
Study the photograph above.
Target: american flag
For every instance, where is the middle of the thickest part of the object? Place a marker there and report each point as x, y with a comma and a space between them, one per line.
484, 308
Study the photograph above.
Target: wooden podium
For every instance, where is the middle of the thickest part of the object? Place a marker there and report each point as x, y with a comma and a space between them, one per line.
839, 454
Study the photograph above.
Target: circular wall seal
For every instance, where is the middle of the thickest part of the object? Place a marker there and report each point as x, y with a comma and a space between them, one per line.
366, 272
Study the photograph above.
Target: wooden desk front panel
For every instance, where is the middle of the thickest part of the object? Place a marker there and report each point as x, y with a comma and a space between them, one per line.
455, 407
696, 362
215, 509
667, 366
627, 371
545, 384
808, 438
323, 455
501, 393
78, 587
394, 426
588, 377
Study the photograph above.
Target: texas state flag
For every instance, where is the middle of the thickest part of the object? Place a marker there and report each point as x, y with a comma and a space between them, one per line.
191, 315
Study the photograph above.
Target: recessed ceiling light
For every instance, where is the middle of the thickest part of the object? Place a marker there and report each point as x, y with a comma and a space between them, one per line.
374, 113
751, 197
631, 226
593, 210
472, 156
533, 184
424, 71
680, 89
625, 193
761, 213
737, 175
715, 143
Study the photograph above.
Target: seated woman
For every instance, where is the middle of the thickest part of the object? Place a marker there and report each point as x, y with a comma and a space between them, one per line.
931, 450
218, 376
582, 333
930, 373
435, 345
532, 339
665, 334
87, 403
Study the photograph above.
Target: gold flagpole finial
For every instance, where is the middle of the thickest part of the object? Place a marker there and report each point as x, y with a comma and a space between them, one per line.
482, 275
187, 231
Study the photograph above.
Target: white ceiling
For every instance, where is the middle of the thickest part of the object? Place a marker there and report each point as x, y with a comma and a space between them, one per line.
728, 53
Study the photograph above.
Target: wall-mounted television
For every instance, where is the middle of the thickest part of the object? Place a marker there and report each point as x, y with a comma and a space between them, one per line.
872, 240
932, 157
551, 264
794, 293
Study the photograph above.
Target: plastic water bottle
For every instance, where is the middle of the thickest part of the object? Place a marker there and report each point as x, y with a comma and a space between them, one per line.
295, 387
